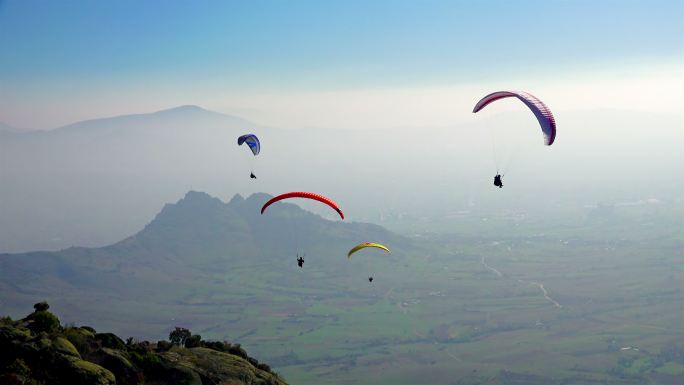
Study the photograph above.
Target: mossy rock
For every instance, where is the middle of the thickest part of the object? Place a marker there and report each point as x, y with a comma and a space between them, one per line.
118, 356
62, 345
110, 340
47, 354
82, 339
221, 368
44, 343
86, 332
87, 373
9, 333
118, 363
174, 374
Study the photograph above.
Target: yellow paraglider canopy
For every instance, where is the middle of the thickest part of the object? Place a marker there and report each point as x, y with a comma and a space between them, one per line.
364, 245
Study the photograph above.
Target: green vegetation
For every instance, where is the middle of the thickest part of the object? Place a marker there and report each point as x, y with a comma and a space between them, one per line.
595, 300
179, 336
33, 351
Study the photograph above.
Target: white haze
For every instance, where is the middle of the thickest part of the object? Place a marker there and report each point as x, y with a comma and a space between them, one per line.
656, 88
97, 182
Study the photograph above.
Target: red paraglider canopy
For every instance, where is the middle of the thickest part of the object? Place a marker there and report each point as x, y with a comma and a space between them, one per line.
307, 195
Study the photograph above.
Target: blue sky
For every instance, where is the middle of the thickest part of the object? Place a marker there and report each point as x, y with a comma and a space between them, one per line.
69, 52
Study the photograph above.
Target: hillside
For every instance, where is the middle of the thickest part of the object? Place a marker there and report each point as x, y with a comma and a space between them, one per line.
189, 255
499, 307
54, 182
38, 350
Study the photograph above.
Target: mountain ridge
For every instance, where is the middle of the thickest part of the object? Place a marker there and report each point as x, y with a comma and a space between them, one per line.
193, 245
184, 112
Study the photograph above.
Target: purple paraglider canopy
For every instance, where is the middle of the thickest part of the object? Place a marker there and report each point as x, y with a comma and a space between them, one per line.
543, 114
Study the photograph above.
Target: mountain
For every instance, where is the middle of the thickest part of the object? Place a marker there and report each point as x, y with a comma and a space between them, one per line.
37, 350
183, 116
92, 183
188, 256
7, 131
6, 128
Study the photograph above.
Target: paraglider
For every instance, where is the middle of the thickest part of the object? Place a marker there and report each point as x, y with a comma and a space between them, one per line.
254, 145
364, 245
543, 114
306, 195
497, 181
294, 226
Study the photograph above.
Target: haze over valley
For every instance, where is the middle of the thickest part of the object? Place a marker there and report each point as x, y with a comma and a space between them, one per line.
342, 192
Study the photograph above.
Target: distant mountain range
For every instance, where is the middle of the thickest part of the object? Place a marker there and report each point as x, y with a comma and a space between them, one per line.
94, 182
7, 129
190, 246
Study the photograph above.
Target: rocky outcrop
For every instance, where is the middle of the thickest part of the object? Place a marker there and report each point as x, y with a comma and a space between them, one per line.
37, 350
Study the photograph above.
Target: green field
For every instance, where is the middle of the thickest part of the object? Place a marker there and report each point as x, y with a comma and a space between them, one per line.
444, 317
589, 302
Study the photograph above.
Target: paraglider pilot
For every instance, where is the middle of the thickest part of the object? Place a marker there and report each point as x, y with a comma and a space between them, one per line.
251, 175
300, 261
497, 181
370, 279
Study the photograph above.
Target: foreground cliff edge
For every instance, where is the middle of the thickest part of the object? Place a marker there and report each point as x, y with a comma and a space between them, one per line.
39, 350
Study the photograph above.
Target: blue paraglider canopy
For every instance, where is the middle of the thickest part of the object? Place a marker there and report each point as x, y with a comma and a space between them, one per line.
252, 141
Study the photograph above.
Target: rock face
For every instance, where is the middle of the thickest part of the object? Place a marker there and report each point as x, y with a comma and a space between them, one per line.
220, 368
33, 353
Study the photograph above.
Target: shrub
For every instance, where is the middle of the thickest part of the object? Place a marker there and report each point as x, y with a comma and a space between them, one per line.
148, 361
142, 347
216, 345
164, 346
264, 367
237, 350
193, 341
44, 321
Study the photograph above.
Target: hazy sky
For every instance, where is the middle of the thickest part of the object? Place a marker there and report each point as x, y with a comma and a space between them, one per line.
352, 64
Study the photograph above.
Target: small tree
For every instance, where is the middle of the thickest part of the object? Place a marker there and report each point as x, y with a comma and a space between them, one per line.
179, 335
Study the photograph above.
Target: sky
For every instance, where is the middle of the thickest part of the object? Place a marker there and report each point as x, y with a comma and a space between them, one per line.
333, 64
